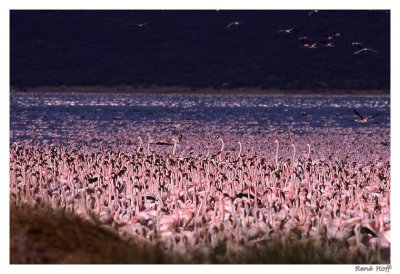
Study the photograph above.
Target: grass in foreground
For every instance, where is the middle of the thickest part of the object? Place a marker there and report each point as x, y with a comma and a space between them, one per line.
47, 237
44, 236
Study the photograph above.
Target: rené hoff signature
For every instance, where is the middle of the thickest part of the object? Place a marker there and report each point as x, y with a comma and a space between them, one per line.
379, 268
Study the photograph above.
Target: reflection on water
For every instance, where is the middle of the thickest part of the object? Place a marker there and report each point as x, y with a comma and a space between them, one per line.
68, 116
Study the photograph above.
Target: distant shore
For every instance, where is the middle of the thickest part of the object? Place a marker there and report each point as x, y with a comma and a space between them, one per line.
190, 90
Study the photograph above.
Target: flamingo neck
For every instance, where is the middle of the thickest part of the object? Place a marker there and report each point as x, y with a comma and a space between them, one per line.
173, 150
294, 154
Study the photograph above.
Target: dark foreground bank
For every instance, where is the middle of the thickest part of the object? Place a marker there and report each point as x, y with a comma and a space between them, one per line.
45, 236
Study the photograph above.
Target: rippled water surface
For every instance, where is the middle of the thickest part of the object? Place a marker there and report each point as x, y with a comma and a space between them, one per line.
63, 116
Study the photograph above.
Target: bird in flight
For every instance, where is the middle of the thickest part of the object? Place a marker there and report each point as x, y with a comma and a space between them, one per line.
140, 24
328, 44
170, 141
307, 43
334, 35
177, 126
361, 48
236, 23
362, 119
288, 31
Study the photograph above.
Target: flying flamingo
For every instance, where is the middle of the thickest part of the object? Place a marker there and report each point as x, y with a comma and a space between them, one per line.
288, 31
312, 12
140, 24
307, 43
361, 48
334, 35
171, 142
362, 119
328, 44
236, 23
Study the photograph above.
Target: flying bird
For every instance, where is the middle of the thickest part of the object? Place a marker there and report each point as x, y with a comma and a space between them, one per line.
177, 126
361, 48
328, 44
312, 12
140, 24
288, 31
236, 23
362, 119
334, 36
307, 43
171, 141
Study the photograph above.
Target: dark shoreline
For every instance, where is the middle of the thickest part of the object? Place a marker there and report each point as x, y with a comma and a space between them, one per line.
192, 91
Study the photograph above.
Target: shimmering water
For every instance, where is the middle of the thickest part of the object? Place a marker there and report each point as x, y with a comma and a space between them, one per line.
66, 116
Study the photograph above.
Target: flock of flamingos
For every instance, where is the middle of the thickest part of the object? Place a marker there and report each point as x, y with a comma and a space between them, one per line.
188, 200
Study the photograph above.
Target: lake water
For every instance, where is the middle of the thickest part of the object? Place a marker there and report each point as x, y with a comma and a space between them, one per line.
69, 116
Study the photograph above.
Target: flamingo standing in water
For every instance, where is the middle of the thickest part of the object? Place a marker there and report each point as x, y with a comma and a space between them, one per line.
139, 145
222, 148
309, 151
119, 190
276, 154
294, 152
240, 150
